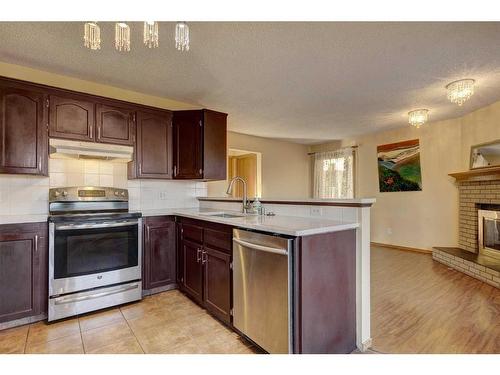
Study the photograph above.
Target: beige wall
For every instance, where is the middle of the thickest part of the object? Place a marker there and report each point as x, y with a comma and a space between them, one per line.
426, 218
57, 80
285, 167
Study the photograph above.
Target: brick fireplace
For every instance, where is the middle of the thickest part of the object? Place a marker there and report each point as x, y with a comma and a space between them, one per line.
475, 195
478, 190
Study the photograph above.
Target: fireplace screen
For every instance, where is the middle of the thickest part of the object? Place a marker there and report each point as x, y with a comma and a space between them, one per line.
489, 232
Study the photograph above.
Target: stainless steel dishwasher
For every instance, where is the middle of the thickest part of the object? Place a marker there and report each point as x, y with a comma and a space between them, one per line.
262, 289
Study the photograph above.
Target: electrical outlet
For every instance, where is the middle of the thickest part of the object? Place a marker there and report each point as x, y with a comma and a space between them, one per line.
389, 231
163, 195
315, 211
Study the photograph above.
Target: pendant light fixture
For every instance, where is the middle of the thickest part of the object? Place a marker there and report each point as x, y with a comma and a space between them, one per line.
92, 35
418, 117
122, 37
460, 91
182, 36
151, 34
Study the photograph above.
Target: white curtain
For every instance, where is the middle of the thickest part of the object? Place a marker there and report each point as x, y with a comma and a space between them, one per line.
333, 174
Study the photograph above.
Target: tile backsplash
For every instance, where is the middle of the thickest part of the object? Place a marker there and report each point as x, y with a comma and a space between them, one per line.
28, 195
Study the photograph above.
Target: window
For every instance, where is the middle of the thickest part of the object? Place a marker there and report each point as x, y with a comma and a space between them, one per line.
333, 174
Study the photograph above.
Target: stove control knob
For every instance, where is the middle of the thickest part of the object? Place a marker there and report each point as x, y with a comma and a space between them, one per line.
122, 193
64, 193
116, 193
57, 193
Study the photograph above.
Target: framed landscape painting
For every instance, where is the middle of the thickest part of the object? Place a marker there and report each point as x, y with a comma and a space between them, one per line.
399, 166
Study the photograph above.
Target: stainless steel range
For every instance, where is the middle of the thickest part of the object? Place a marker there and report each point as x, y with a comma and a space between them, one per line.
95, 250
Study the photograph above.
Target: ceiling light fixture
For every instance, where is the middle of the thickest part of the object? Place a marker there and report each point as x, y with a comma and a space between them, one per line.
460, 91
92, 35
122, 37
182, 36
151, 34
418, 117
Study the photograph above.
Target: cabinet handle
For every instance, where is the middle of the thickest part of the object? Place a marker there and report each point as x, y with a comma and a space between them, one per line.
204, 257
175, 170
36, 243
98, 132
201, 171
40, 163
198, 257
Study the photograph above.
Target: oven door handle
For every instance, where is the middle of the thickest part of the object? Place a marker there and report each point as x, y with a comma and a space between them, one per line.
71, 299
96, 225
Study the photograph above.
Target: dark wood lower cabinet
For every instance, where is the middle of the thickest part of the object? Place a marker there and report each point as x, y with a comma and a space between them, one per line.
159, 252
217, 283
193, 270
206, 251
23, 270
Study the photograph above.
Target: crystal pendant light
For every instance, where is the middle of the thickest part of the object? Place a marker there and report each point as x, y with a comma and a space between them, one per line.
418, 117
182, 36
460, 91
122, 37
151, 34
92, 35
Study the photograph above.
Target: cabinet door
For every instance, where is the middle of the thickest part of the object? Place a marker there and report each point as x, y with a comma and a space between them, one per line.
214, 145
188, 144
71, 117
23, 131
154, 145
23, 272
193, 279
115, 125
159, 253
217, 283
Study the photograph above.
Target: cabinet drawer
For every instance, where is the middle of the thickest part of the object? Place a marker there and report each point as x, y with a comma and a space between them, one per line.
192, 233
218, 240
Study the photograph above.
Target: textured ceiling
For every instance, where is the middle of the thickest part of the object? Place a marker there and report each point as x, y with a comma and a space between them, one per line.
304, 82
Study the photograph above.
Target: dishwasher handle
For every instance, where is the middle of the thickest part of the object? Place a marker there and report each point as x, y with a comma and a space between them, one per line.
268, 249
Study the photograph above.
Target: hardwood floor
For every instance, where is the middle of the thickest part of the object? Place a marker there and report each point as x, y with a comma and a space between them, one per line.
421, 306
167, 323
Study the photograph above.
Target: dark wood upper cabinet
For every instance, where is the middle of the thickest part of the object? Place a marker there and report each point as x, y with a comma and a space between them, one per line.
23, 130
200, 145
23, 270
159, 252
188, 144
71, 117
153, 154
115, 124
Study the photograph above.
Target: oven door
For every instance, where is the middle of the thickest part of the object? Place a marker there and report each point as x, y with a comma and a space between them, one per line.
86, 255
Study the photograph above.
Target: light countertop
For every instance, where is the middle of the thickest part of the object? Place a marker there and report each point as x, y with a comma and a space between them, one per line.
289, 225
19, 219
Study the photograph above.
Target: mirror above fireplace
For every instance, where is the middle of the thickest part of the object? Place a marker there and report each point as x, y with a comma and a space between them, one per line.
485, 155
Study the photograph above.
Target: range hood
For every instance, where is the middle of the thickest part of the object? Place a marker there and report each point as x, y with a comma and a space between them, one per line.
61, 148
